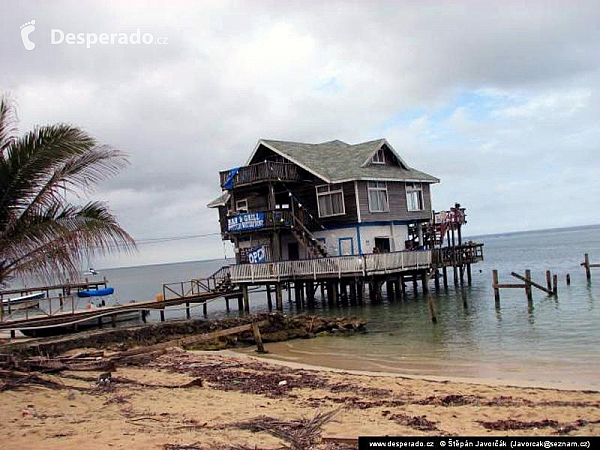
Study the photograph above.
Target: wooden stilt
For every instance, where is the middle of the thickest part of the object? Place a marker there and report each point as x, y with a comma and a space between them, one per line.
240, 300
279, 297
389, 288
528, 285
322, 283
162, 315
586, 264
548, 280
414, 281
425, 282
568, 279
336, 292
469, 276
227, 303
555, 284
269, 300
353, 292
187, 310
431, 307
455, 270
495, 286
246, 298
360, 291
436, 276
445, 275
205, 309
258, 338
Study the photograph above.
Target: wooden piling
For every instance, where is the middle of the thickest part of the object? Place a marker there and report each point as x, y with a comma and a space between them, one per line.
389, 288
240, 300
425, 282
335, 292
353, 292
431, 307
258, 338
568, 279
205, 309
322, 283
187, 310
555, 284
414, 282
528, 285
269, 300
548, 280
469, 276
436, 276
495, 286
227, 303
162, 315
586, 263
279, 297
246, 298
455, 270
360, 291
445, 275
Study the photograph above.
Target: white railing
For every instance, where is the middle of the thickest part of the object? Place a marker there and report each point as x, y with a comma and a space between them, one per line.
331, 267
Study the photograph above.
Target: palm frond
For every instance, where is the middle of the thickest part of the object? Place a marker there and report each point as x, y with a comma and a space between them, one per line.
8, 124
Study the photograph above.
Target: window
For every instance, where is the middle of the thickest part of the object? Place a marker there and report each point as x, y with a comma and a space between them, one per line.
241, 206
379, 157
330, 200
414, 196
378, 196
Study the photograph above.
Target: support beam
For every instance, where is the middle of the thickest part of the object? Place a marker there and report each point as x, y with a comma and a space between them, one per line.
246, 298
278, 297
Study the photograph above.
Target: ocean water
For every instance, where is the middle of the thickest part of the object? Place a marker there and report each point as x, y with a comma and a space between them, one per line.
554, 342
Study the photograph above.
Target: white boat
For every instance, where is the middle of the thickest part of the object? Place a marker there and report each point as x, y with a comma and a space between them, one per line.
23, 298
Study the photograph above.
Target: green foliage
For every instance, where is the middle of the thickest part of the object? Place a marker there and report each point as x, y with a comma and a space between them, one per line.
41, 232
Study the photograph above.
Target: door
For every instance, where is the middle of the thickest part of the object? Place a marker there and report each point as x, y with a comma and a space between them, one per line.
382, 244
346, 246
293, 251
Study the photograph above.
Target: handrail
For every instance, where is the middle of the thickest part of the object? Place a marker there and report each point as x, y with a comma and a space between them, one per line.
333, 266
263, 171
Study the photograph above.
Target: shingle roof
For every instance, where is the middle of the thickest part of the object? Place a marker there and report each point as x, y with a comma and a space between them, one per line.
336, 161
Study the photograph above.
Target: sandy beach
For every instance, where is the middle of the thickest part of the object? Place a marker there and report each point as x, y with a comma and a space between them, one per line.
206, 400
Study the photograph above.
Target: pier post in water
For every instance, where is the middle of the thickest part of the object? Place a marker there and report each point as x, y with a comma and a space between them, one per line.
445, 275
495, 286
187, 310
205, 309
586, 264
528, 290
425, 281
568, 279
279, 297
269, 300
258, 338
555, 284
548, 280
469, 276
246, 298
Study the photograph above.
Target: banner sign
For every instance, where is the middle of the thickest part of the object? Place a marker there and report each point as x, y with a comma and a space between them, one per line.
248, 221
257, 255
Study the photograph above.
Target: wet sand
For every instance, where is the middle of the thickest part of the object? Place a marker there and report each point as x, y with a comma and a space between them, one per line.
147, 407
318, 353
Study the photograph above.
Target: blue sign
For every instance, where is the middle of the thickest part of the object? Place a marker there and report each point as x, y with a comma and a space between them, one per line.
248, 221
257, 255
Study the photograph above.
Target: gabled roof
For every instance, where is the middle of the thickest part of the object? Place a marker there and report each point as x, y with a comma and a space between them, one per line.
337, 161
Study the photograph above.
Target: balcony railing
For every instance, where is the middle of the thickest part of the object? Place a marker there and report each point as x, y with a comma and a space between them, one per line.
260, 220
254, 173
332, 267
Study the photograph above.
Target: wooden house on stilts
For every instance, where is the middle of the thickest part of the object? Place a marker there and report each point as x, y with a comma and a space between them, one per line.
336, 216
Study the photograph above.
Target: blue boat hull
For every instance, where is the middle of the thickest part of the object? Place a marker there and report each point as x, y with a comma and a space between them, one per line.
96, 292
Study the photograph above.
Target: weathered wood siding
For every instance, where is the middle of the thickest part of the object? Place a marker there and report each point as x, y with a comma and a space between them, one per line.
398, 209
307, 194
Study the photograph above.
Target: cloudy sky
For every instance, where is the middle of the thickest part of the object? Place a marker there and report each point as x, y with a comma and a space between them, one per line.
500, 102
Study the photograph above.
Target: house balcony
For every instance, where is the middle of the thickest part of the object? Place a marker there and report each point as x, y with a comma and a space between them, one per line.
257, 221
259, 173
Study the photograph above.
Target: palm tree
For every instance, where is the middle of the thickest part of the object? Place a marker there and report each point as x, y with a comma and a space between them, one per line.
41, 232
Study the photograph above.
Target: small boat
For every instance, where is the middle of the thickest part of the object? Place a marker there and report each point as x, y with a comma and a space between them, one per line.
23, 298
93, 323
96, 292
91, 271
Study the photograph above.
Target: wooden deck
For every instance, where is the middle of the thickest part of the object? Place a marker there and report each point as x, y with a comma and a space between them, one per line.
356, 266
264, 171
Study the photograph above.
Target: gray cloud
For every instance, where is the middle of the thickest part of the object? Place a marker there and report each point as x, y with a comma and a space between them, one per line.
233, 72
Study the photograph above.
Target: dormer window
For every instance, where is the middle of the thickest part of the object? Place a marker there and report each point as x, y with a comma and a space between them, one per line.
379, 157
